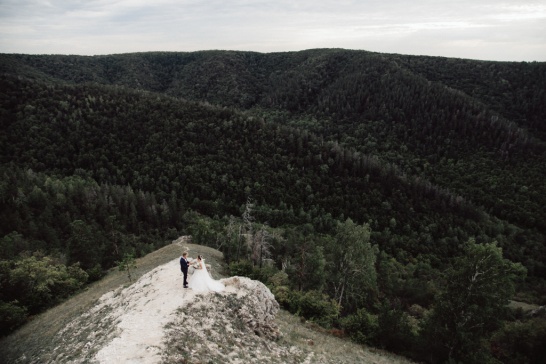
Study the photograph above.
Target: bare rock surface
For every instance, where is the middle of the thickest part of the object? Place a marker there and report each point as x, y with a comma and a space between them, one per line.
134, 324
126, 325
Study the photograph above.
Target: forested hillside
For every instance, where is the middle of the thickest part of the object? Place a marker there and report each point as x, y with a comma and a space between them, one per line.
465, 125
108, 155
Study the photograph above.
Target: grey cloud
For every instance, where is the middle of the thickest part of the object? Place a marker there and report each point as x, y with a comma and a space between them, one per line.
395, 26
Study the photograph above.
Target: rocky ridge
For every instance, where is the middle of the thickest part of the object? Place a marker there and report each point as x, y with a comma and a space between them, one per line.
155, 320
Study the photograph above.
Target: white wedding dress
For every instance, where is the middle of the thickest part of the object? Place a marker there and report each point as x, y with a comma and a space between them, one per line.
201, 281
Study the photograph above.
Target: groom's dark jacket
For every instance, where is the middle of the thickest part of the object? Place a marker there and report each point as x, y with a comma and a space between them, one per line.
183, 265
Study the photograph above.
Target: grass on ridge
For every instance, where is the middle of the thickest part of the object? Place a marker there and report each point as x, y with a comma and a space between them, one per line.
327, 348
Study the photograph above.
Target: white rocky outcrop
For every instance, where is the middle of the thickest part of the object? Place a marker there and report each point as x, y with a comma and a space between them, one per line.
259, 306
136, 324
234, 326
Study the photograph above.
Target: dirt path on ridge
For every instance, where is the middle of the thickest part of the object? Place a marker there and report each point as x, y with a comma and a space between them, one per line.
144, 308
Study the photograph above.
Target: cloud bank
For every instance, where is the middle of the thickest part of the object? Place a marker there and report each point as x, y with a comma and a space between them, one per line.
479, 29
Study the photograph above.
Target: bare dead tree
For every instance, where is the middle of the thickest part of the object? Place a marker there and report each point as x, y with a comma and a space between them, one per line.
247, 231
262, 245
248, 219
232, 237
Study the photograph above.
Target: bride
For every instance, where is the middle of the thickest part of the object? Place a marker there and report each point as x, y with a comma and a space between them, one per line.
201, 281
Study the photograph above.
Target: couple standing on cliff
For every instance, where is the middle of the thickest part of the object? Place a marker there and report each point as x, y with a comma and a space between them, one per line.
200, 281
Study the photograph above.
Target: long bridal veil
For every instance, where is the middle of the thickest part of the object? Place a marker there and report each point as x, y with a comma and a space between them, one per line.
201, 281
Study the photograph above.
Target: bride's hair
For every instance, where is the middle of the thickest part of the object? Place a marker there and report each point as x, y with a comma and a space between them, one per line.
199, 257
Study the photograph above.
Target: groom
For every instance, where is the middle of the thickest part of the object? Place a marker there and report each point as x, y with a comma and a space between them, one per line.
184, 264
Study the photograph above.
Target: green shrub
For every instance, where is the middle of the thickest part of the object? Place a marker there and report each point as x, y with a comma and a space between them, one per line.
263, 274
361, 326
279, 287
128, 264
95, 273
294, 301
283, 296
38, 282
279, 279
241, 268
11, 317
520, 342
245, 268
395, 330
318, 307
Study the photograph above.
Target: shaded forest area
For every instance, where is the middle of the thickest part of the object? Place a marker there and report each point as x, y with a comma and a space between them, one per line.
419, 157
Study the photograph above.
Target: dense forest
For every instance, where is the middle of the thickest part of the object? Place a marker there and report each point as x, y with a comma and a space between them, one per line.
377, 183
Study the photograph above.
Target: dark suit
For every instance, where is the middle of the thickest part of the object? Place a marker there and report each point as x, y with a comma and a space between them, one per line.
184, 268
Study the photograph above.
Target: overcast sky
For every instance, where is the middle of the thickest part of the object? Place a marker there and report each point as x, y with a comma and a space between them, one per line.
503, 30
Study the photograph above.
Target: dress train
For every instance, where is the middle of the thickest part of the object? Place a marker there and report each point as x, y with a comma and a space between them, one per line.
201, 281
